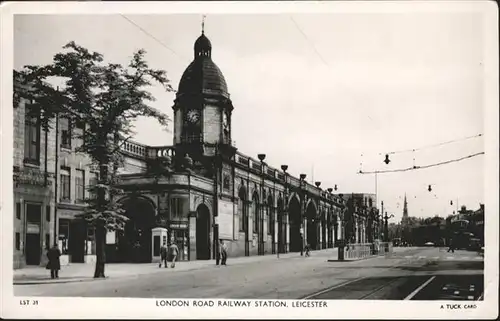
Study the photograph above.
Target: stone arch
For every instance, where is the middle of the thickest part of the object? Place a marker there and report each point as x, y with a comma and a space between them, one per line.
122, 200
203, 201
311, 201
203, 228
254, 189
293, 195
134, 241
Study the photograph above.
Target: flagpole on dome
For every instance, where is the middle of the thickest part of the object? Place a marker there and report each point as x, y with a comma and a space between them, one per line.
203, 24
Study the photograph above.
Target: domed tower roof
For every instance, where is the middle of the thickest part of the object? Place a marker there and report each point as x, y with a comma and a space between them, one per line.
203, 76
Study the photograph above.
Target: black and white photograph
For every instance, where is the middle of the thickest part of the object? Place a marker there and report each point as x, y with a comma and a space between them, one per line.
271, 160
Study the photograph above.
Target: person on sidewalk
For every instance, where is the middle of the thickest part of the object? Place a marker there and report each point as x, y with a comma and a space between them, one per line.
54, 264
174, 251
308, 250
451, 247
223, 252
163, 255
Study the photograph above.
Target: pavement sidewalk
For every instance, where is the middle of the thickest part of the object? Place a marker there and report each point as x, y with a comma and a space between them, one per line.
81, 272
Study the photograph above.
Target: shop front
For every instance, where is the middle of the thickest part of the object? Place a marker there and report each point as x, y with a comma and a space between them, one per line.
76, 239
179, 233
33, 228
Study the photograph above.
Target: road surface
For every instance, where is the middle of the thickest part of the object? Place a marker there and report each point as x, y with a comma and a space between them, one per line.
410, 273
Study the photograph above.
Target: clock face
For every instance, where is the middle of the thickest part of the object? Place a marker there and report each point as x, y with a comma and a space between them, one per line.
193, 116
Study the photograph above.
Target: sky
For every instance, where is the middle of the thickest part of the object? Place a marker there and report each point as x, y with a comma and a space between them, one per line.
326, 94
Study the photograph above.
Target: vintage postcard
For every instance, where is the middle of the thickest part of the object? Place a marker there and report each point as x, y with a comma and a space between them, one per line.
319, 160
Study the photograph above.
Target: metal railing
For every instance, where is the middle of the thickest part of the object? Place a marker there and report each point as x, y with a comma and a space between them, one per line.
358, 250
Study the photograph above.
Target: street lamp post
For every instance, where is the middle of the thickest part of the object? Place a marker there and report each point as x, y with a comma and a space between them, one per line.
261, 228
302, 178
381, 218
386, 217
329, 222
318, 184
285, 201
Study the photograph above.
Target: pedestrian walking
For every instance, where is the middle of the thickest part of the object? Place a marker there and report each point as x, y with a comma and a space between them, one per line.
223, 252
308, 250
54, 264
163, 255
451, 246
173, 252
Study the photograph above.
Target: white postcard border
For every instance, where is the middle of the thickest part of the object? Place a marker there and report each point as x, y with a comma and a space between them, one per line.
146, 308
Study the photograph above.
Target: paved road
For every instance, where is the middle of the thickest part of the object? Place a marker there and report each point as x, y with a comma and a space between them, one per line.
291, 278
428, 275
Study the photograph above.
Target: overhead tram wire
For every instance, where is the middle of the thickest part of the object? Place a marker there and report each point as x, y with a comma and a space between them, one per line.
433, 145
309, 41
423, 166
151, 36
314, 47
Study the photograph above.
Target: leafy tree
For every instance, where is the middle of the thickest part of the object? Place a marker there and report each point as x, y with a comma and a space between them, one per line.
106, 98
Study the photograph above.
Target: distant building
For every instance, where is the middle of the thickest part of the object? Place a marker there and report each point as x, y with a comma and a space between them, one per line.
361, 217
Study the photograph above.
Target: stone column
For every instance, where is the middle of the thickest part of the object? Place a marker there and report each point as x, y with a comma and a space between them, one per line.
320, 235
326, 235
287, 230
304, 237
356, 231
276, 226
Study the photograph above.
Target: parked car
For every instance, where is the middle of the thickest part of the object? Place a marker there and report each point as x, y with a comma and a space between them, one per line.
429, 244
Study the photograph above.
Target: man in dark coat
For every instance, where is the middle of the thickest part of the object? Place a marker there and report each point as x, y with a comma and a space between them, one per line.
451, 245
163, 255
54, 264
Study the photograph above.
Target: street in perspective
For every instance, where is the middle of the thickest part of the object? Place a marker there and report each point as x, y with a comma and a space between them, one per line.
255, 156
417, 273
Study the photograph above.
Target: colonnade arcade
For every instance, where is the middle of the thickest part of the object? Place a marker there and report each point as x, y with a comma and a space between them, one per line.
288, 226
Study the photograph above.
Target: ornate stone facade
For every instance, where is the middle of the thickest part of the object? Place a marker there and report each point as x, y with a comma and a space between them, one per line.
202, 189
256, 208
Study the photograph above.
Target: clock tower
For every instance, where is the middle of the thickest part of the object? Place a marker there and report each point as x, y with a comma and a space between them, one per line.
202, 108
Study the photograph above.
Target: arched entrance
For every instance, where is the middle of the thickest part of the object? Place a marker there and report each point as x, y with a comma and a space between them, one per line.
256, 216
324, 230
332, 230
295, 224
134, 242
312, 226
243, 216
271, 226
202, 232
281, 227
